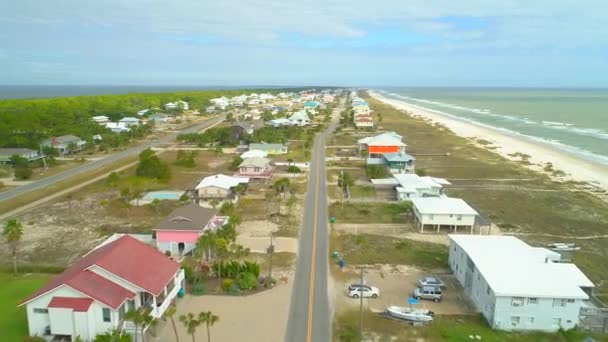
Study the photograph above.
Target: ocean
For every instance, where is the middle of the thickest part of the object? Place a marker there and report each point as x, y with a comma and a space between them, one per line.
572, 120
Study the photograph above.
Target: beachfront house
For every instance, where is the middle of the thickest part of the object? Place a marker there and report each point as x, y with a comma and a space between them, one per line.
443, 213
269, 148
179, 232
400, 162
7, 152
376, 146
255, 168
219, 187
129, 121
299, 118
93, 295
364, 121
413, 186
516, 286
65, 144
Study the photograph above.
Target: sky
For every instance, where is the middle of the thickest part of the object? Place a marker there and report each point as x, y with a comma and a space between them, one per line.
539, 43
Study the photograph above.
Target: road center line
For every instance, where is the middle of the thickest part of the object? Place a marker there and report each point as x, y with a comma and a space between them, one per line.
311, 295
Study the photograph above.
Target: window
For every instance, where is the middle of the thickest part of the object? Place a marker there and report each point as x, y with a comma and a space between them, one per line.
459, 217
515, 320
570, 300
431, 216
559, 302
517, 301
529, 320
42, 311
532, 300
557, 322
488, 290
106, 315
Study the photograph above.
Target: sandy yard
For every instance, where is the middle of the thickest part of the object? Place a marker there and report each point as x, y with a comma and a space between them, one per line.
258, 317
259, 244
396, 284
401, 230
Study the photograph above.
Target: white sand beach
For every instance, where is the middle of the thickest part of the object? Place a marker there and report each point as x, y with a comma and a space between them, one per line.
576, 169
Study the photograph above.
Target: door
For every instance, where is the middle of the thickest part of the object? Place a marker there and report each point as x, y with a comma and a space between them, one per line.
180, 248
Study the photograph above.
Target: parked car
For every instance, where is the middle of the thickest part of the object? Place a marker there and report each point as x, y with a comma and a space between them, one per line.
433, 293
431, 281
358, 290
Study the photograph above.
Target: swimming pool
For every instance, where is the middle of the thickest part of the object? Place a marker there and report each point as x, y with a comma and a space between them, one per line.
163, 195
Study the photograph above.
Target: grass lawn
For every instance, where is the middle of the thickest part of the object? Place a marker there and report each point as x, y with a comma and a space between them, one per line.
370, 212
378, 249
13, 320
443, 328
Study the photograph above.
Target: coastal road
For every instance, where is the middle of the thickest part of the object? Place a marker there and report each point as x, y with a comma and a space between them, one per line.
309, 311
42, 183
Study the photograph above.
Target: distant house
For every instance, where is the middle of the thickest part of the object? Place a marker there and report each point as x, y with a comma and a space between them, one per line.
517, 287
143, 112
129, 121
363, 121
413, 186
117, 127
253, 154
239, 130
299, 118
443, 212
280, 122
175, 105
7, 153
93, 295
221, 103
100, 119
255, 168
219, 187
210, 109
376, 146
179, 232
269, 148
160, 118
328, 98
399, 162
313, 105
65, 144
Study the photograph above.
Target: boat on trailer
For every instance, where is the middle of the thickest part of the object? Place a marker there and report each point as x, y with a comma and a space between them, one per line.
410, 314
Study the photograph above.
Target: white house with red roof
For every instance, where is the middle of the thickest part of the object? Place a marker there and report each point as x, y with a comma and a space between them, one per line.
93, 295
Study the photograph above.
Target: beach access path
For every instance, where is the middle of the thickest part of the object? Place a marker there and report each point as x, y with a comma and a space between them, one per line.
96, 164
576, 169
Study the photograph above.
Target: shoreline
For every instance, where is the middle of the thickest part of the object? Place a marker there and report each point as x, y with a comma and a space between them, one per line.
575, 168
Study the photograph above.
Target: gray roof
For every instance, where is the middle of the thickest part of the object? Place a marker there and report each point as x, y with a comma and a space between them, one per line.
264, 146
255, 162
398, 157
10, 151
65, 139
189, 217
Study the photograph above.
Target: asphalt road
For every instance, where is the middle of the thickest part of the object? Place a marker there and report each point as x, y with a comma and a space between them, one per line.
36, 185
310, 312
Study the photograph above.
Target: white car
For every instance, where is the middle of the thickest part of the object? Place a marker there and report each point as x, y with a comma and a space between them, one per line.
365, 291
431, 282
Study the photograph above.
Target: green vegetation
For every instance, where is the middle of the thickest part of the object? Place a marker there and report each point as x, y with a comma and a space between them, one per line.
186, 159
370, 212
13, 319
217, 136
12, 233
443, 328
377, 171
379, 249
150, 166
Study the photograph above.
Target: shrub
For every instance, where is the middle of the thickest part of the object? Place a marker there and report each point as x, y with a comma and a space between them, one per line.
246, 281
23, 173
227, 284
421, 172
293, 169
377, 171
234, 164
199, 289
234, 290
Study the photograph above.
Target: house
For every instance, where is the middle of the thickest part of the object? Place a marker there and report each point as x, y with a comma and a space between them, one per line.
100, 119
160, 118
313, 105
443, 212
280, 122
516, 286
362, 121
129, 121
267, 97
221, 103
241, 129
399, 162
255, 168
92, 296
219, 187
210, 109
178, 104
7, 153
117, 127
299, 118
143, 112
254, 153
376, 146
269, 148
328, 98
179, 232
65, 144
413, 186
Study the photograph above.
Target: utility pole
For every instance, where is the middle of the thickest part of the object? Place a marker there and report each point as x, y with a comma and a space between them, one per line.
43, 160
342, 189
361, 306
270, 250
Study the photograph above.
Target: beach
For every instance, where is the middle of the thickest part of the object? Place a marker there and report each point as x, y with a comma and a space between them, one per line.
540, 154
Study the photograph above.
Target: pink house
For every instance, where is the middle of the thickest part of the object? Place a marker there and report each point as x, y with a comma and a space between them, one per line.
179, 232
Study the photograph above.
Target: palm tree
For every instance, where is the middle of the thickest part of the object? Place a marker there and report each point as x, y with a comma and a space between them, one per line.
140, 318
209, 319
12, 232
239, 190
207, 242
214, 203
169, 313
190, 322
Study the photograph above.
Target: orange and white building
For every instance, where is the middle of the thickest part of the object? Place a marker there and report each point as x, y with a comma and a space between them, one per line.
377, 146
